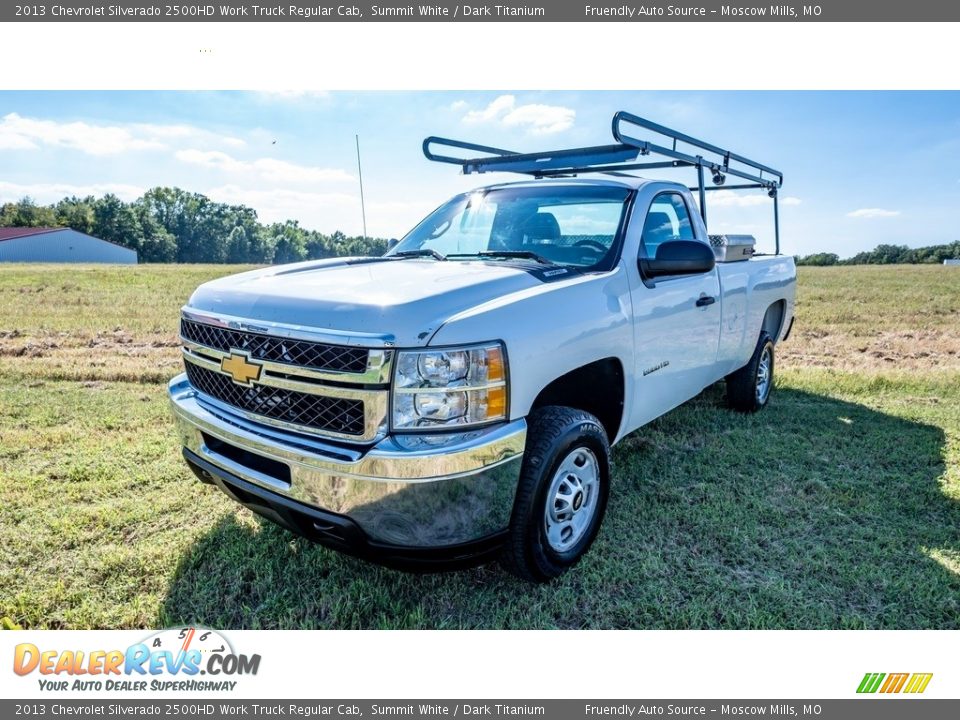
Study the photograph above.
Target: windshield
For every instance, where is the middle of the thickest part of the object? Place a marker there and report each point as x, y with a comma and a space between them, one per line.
566, 225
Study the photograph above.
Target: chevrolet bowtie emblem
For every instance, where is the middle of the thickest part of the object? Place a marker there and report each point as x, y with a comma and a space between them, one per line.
238, 366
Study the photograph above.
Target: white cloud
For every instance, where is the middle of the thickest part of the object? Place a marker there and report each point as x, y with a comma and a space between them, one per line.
25, 133
185, 132
284, 172
396, 218
870, 213
325, 211
729, 198
13, 141
167, 132
536, 118
267, 169
45, 193
496, 108
541, 119
209, 159
280, 204
92, 139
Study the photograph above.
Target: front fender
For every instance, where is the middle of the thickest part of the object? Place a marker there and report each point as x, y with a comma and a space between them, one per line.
551, 330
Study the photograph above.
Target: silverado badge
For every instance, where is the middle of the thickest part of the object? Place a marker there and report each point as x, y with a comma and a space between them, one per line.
238, 366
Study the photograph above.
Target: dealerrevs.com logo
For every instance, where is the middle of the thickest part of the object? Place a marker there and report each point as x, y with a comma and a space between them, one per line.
172, 659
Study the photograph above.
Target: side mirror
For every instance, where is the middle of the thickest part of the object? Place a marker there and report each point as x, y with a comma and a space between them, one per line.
678, 257
392, 243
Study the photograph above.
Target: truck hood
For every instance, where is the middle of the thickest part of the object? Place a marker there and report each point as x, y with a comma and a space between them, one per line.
407, 300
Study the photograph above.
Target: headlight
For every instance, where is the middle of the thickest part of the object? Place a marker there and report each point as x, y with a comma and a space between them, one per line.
451, 387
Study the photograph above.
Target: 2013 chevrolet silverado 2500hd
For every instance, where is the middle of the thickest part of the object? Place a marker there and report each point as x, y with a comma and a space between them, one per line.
456, 399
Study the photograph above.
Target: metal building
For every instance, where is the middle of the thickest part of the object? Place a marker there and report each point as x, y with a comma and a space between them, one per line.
60, 245
952, 261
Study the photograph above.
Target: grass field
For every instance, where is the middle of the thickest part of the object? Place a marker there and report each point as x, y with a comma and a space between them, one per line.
836, 507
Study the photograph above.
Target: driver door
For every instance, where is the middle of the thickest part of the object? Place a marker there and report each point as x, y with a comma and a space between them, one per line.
676, 318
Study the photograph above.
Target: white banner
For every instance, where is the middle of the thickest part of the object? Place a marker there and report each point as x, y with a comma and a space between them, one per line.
460, 664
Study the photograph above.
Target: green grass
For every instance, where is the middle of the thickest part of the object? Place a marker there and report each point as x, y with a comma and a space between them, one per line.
107, 322
836, 507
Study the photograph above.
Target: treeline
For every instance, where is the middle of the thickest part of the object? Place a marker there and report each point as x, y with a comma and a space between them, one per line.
173, 225
887, 255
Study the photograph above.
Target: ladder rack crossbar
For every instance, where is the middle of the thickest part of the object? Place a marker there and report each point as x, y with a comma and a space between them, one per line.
721, 164
601, 158
607, 158
447, 142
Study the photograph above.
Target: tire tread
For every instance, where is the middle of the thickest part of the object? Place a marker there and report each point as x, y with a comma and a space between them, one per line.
742, 384
546, 427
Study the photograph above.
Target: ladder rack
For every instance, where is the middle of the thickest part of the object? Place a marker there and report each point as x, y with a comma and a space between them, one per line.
627, 154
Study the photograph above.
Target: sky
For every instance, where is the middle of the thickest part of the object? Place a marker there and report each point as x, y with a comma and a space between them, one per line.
860, 168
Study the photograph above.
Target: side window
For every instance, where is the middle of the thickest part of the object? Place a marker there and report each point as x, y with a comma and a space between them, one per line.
667, 219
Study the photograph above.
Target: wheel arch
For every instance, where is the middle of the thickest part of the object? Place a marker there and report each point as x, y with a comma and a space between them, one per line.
773, 320
597, 388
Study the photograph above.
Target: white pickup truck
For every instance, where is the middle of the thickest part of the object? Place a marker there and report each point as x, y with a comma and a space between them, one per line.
456, 399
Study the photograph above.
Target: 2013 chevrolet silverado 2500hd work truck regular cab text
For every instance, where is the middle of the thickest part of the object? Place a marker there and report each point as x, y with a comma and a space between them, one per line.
456, 399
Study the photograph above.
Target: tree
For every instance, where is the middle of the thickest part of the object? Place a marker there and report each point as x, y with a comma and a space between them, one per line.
890, 254
75, 213
318, 246
116, 221
238, 249
169, 224
289, 241
26, 213
819, 259
156, 244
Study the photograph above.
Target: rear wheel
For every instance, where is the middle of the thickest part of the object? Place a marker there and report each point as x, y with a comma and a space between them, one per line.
562, 495
749, 388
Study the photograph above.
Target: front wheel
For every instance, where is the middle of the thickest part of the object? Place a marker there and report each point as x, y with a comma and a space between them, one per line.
562, 495
748, 389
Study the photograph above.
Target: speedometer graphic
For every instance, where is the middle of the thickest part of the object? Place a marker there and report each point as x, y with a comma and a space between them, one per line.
183, 639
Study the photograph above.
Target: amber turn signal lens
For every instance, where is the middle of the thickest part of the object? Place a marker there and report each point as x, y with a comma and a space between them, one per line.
496, 403
495, 372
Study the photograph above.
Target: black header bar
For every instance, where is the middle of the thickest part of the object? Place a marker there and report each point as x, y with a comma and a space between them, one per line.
447, 11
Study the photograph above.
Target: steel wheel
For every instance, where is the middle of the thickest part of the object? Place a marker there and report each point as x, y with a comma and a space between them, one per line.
764, 375
572, 499
561, 493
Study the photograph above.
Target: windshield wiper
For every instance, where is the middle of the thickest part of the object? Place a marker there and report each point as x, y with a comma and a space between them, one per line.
523, 254
420, 253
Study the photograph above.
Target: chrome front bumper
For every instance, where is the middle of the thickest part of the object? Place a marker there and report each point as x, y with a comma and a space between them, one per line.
407, 491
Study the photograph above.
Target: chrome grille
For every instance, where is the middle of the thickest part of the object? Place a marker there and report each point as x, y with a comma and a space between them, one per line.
330, 414
271, 348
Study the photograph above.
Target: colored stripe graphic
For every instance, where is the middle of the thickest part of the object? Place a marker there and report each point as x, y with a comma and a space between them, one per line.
894, 682
870, 682
918, 682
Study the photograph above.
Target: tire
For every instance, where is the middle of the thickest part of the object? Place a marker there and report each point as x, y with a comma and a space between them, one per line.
749, 388
562, 495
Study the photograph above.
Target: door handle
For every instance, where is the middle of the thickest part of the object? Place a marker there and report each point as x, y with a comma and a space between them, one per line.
706, 300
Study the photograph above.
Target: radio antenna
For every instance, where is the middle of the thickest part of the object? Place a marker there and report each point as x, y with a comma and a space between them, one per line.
363, 207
